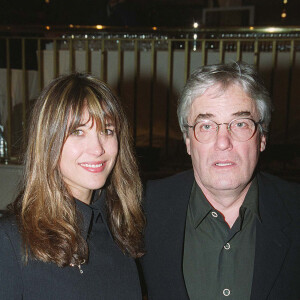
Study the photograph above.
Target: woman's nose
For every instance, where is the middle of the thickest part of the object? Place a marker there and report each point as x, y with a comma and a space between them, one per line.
96, 145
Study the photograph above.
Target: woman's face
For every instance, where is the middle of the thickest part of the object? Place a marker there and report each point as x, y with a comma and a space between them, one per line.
88, 157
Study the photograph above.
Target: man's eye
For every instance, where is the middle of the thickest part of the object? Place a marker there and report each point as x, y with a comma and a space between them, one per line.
241, 125
205, 127
77, 132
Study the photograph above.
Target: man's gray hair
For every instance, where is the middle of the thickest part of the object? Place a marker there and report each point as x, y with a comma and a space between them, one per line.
225, 74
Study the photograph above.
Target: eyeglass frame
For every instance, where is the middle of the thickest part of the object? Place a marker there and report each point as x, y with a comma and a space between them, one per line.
259, 123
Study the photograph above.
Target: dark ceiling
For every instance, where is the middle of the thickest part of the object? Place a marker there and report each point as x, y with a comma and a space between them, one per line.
179, 13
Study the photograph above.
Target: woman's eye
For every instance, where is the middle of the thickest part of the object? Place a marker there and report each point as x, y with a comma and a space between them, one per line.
108, 131
77, 132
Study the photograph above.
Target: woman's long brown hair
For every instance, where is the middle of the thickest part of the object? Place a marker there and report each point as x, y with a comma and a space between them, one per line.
45, 209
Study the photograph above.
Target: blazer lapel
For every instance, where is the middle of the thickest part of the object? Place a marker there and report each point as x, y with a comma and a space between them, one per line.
173, 228
272, 243
167, 237
182, 196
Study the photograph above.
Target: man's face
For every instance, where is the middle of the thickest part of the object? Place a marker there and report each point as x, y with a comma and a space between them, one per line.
223, 164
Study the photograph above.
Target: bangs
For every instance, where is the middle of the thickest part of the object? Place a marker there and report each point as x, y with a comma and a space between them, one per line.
100, 113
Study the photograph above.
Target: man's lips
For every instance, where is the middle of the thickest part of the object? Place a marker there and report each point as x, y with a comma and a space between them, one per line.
224, 164
94, 167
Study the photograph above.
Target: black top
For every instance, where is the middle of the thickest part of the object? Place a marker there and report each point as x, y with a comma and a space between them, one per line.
109, 274
218, 260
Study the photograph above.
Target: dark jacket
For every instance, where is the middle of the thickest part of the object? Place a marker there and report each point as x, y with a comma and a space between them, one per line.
277, 251
109, 274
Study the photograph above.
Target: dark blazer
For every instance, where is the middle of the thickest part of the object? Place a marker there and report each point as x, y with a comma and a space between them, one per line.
277, 253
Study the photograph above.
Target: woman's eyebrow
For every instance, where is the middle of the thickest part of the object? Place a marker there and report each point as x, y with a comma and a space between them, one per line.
82, 125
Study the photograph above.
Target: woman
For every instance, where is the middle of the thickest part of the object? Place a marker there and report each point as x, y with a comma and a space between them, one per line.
64, 241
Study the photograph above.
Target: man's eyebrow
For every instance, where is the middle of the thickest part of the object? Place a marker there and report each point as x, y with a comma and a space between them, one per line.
204, 116
242, 114
201, 116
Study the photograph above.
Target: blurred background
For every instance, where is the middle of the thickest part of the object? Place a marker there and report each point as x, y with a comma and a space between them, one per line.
146, 50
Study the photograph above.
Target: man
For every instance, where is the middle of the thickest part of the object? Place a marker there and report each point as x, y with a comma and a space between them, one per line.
223, 229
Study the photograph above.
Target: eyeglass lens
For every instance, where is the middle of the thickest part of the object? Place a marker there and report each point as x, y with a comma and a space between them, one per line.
240, 130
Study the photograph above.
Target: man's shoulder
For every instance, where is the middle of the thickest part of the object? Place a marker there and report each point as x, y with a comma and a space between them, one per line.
276, 178
170, 189
287, 191
272, 181
171, 181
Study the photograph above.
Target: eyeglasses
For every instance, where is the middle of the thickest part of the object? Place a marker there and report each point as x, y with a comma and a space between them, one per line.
241, 130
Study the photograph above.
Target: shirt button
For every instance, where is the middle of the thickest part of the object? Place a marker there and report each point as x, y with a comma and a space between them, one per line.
227, 246
226, 292
214, 214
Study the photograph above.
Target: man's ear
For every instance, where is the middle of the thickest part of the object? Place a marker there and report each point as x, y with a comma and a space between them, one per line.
263, 142
188, 145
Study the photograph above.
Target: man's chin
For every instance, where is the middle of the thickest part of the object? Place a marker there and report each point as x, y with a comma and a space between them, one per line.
225, 184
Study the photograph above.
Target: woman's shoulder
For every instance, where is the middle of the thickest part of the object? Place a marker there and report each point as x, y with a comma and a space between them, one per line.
10, 238
11, 283
9, 226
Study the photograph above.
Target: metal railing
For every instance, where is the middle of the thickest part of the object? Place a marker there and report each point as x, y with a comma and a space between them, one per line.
161, 59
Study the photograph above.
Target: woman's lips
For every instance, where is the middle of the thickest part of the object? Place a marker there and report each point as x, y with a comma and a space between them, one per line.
93, 167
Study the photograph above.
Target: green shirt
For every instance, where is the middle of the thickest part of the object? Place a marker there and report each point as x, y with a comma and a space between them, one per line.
218, 261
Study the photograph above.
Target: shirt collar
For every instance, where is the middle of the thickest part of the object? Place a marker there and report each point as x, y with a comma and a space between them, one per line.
98, 203
251, 199
200, 207
90, 212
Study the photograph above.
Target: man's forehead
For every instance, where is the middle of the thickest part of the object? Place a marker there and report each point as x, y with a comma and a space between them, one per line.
217, 101
218, 90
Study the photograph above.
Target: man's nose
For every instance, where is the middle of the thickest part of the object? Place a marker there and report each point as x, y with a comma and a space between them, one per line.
223, 139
